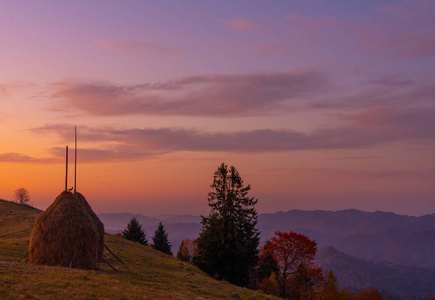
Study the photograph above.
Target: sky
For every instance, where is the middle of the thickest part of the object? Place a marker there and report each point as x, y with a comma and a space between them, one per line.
318, 104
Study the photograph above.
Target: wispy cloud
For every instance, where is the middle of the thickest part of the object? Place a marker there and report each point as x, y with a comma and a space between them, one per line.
136, 47
240, 24
152, 141
415, 10
199, 95
108, 154
416, 123
274, 50
392, 80
13, 157
398, 32
424, 174
365, 129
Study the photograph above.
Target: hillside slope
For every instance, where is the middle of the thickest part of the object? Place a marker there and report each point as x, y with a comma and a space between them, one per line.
148, 274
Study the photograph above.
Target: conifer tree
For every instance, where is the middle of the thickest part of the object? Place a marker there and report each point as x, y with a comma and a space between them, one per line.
267, 264
183, 253
227, 244
134, 232
160, 240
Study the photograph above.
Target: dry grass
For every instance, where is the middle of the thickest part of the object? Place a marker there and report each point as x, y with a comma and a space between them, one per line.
97, 221
148, 274
66, 234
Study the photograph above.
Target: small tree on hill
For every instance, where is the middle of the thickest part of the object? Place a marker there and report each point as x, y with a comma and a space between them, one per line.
227, 244
330, 291
183, 254
134, 232
160, 240
294, 254
21, 196
187, 251
267, 264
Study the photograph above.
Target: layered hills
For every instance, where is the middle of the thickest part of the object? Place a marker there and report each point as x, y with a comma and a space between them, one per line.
377, 236
392, 281
392, 253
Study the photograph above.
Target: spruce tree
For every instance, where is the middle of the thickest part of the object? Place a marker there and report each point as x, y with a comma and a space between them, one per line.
134, 232
160, 240
228, 241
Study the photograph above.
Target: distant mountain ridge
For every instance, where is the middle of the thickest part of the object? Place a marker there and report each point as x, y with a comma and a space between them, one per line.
118, 221
347, 222
394, 282
378, 236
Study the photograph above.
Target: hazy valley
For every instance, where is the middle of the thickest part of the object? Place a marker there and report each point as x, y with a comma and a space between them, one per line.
393, 253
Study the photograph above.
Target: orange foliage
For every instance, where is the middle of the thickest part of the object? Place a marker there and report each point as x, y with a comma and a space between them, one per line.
372, 294
270, 285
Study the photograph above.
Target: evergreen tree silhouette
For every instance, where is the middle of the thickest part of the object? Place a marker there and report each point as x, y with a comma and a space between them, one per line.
160, 240
134, 232
228, 241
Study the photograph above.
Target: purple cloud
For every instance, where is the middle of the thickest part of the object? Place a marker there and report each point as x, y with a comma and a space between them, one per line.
367, 128
200, 95
240, 24
412, 123
113, 154
392, 80
404, 31
136, 47
151, 141
359, 174
276, 50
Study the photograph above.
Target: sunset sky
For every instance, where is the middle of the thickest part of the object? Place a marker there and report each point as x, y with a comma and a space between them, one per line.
318, 104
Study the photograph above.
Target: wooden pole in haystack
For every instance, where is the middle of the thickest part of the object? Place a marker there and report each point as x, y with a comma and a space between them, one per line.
66, 167
75, 159
107, 262
114, 254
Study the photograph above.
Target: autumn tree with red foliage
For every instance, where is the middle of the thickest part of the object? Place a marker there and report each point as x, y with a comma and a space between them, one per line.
294, 254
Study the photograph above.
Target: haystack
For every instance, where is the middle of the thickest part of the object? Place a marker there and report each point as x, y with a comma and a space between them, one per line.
67, 233
97, 221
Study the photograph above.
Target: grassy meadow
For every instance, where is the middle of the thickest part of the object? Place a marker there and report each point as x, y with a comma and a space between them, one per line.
148, 274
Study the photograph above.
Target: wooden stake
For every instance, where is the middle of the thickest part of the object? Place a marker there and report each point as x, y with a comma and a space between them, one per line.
107, 263
23, 256
75, 160
113, 254
66, 167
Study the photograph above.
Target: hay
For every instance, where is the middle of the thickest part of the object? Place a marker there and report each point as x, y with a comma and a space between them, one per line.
97, 221
67, 228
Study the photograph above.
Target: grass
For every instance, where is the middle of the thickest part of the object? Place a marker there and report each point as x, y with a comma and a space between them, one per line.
148, 274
